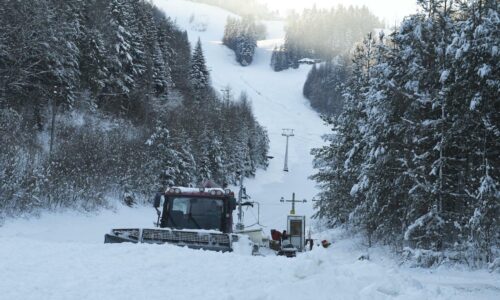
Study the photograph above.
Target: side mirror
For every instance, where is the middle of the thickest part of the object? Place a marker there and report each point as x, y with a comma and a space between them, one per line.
157, 200
232, 204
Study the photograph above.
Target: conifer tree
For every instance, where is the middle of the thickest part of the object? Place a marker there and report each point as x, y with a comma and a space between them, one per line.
412, 160
122, 71
92, 51
199, 75
109, 82
241, 37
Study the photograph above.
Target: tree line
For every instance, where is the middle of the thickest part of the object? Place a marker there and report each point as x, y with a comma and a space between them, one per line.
322, 34
327, 36
413, 160
244, 7
241, 35
325, 83
101, 99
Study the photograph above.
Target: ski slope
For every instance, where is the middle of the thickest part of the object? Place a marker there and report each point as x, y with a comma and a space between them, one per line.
277, 101
62, 255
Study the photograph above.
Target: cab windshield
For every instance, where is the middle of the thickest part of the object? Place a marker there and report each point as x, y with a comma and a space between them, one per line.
195, 213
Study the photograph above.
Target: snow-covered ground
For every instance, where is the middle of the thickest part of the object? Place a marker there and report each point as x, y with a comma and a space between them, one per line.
62, 256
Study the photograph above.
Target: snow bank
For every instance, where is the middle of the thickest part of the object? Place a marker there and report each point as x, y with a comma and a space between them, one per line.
63, 257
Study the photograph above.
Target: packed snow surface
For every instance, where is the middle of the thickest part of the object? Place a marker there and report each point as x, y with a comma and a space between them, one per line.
62, 256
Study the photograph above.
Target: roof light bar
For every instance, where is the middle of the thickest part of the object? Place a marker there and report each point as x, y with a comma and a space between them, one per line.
175, 190
216, 193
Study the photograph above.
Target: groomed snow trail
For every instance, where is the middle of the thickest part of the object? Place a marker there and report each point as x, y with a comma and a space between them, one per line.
62, 256
277, 101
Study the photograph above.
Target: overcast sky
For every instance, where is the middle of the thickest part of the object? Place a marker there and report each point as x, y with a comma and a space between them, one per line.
388, 10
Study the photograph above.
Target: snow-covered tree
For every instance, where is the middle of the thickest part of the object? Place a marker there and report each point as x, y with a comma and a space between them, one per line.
241, 36
108, 82
279, 59
121, 64
413, 158
324, 85
198, 74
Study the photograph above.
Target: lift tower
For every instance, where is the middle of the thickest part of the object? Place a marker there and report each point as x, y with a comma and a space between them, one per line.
287, 133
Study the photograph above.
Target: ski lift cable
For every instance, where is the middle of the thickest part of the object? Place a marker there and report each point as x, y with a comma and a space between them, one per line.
256, 224
256, 219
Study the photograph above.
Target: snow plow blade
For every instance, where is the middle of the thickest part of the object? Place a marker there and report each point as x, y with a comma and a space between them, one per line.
191, 239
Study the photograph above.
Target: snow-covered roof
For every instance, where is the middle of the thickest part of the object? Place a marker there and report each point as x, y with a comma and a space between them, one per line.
191, 190
309, 60
306, 60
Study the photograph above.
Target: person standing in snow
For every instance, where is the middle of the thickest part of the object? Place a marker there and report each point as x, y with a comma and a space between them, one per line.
284, 235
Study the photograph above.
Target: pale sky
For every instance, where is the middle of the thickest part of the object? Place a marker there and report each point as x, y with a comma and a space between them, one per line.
388, 10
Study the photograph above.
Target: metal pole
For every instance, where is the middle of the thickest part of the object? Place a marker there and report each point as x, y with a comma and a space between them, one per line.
240, 225
285, 168
287, 133
292, 212
258, 212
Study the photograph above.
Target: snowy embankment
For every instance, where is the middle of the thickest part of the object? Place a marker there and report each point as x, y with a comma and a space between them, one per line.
62, 256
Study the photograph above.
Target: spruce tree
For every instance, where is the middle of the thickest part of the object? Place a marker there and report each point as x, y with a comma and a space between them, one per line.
198, 74
120, 61
413, 158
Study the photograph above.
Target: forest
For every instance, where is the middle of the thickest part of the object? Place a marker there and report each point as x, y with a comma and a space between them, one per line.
322, 34
328, 36
244, 7
241, 35
106, 99
413, 159
324, 85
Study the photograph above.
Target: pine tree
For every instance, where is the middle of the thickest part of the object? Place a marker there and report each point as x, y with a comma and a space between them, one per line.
412, 159
92, 52
204, 157
122, 71
476, 96
282, 60
274, 59
166, 158
180, 57
199, 75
